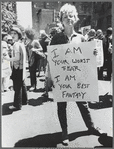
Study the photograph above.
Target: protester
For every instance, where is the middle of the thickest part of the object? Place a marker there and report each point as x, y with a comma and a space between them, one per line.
107, 47
100, 36
18, 72
91, 35
6, 69
34, 52
44, 42
7, 80
10, 53
69, 16
10, 45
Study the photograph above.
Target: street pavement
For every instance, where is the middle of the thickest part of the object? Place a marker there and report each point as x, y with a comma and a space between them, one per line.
37, 124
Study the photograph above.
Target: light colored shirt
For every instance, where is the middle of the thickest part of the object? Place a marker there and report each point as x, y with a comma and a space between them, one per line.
16, 50
19, 48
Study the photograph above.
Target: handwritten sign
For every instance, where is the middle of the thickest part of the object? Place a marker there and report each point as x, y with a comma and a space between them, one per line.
73, 70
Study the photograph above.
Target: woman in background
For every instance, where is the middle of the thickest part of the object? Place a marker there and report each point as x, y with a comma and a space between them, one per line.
6, 69
34, 52
18, 71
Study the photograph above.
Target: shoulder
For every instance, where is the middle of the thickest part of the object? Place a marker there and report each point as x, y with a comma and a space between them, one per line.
35, 41
81, 37
59, 38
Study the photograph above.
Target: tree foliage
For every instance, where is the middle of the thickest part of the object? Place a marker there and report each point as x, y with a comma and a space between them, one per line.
8, 15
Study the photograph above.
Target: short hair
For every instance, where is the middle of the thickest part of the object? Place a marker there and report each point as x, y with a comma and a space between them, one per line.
68, 8
99, 31
92, 32
30, 33
109, 31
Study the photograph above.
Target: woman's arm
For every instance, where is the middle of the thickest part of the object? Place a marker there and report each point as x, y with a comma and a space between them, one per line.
37, 48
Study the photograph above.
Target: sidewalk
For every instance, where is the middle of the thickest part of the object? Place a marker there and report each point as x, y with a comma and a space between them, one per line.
37, 124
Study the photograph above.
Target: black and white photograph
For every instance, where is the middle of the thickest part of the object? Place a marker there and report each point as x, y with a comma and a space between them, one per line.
56, 74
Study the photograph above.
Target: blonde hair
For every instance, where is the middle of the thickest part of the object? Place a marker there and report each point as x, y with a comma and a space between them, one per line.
68, 8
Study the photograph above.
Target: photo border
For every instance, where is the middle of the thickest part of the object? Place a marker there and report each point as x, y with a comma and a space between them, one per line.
112, 55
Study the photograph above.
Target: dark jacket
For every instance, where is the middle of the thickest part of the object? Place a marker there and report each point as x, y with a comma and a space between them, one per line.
107, 54
61, 38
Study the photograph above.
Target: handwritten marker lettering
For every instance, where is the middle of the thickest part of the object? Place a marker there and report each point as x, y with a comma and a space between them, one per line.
73, 70
58, 62
57, 78
82, 85
69, 77
80, 60
64, 86
70, 68
74, 50
73, 95
54, 53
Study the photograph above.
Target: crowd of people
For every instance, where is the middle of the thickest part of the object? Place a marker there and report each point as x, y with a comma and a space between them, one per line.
14, 51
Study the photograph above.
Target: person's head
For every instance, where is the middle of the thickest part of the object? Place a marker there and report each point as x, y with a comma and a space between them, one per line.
43, 34
99, 32
16, 34
30, 34
68, 15
53, 31
9, 39
109, 31
91, 33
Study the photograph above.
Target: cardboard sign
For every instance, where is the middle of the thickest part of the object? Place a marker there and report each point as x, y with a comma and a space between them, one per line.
73, 69
100, 56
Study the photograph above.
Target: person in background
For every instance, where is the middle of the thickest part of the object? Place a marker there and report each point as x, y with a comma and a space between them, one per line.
35, 53
7, 78
48, 81
10, 53
44, 42
100, 36
69, 16
19, 70
107, 47
6, 69
91, 35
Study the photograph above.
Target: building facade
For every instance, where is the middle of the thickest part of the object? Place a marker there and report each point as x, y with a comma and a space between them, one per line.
96, 14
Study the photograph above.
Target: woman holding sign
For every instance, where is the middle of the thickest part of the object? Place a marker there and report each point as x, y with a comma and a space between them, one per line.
68, 17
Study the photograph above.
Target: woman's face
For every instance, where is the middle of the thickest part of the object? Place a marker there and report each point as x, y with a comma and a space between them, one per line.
68, 19
15, 36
